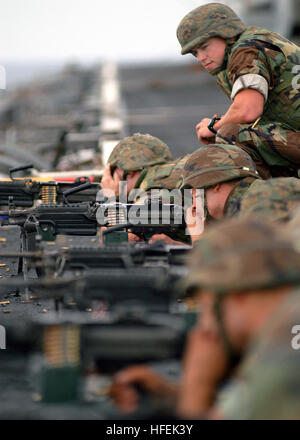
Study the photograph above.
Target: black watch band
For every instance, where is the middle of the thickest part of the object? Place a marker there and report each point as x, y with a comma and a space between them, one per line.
211, 125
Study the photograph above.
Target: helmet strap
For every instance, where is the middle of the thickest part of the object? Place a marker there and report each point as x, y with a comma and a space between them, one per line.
141, 177
208, 218
232, 355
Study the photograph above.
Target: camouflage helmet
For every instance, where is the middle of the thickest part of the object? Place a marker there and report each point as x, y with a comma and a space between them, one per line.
274, 199
292, 228
211, 20
165, 176
241, 255
139, 151
217, 163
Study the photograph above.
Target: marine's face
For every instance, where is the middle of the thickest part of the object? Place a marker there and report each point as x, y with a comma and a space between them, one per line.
233, 317
130, 178
194, 216
207, 319
215, 202
211, 53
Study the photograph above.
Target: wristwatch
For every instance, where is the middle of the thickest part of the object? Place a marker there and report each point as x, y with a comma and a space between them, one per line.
212, 123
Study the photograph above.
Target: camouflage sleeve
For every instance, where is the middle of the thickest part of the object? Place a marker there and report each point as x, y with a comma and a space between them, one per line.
249, 68
271, 392
248, 59
267, 383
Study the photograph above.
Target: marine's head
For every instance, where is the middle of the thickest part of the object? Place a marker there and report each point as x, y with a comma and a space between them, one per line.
241, 270
212, 172
135, 154
205, 31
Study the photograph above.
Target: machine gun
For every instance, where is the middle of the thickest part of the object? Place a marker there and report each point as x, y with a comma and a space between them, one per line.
135, 327
36, 231
26, 192
121, 256
132, 285
82, 219
143, 219
51, 220
67, 345
70, 342
44, 222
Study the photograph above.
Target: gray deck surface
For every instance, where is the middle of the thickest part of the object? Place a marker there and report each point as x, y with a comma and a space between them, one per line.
167, 101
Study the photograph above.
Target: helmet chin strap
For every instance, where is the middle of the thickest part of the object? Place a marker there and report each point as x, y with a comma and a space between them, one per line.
233, 356
208, 217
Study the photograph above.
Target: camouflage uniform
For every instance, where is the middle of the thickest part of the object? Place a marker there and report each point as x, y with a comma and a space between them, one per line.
267, 382
262, 60
241, 255
236, 196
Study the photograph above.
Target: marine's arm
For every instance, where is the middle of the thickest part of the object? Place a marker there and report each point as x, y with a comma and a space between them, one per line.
166, 239
247, 106
251, 77
126, 396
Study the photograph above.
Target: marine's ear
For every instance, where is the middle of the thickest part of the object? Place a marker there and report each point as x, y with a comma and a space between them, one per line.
216, 188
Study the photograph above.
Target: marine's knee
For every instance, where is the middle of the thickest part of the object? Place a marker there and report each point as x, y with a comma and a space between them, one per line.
228, 134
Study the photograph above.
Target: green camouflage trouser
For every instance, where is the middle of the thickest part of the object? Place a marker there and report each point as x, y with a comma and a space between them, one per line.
274, 149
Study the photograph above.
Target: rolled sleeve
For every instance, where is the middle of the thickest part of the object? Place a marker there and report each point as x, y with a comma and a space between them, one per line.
251, 81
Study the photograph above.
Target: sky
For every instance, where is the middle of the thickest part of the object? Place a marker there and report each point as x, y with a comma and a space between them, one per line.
42, 34
79, 30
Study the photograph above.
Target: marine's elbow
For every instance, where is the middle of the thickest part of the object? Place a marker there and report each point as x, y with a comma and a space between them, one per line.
251, 115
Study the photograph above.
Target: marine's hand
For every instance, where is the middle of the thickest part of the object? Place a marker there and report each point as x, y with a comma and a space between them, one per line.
133, 238
109, 182
203, 133
165, 238
126, 396
205, 364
